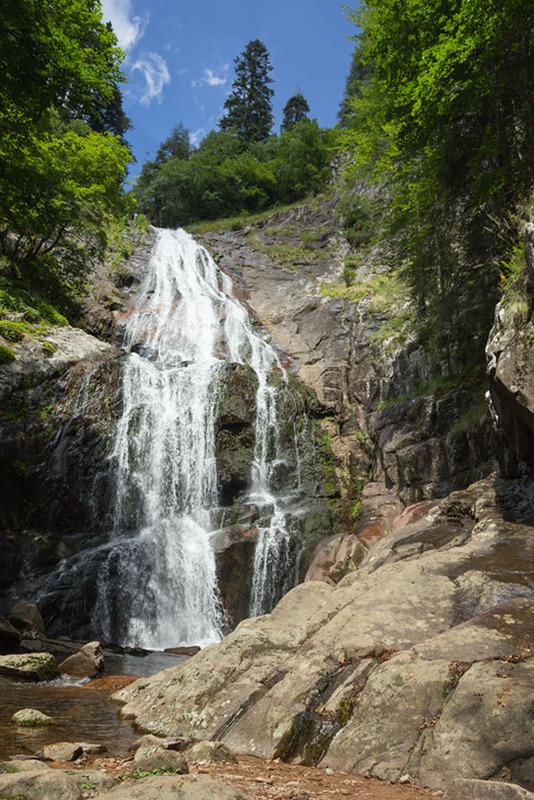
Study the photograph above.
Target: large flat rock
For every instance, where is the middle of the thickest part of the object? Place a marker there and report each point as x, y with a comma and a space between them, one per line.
388, 673
174, 787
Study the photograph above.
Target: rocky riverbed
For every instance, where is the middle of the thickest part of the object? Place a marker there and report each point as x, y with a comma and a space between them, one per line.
250, 778
417, 663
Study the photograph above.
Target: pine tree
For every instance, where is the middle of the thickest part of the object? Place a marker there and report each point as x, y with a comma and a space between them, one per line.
177, 145
295, 109
248, 108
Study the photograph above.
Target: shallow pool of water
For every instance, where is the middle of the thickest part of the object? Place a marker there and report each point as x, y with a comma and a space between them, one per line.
82, 714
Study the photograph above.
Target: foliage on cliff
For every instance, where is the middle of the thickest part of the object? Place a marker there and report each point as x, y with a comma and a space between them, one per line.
62, 154
441, 114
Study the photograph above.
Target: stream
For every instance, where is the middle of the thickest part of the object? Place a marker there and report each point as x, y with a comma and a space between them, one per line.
82, 714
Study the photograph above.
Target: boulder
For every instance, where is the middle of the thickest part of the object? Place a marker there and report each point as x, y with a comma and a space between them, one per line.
148, 740
462, 789
32, 718
91, 780
211, 751
26, 618
86, 663
9, 636
45, 784
192, 650
386, 673
175, 787
399, 696
22, 765
492, 699
151, 757
29, 667
62, 751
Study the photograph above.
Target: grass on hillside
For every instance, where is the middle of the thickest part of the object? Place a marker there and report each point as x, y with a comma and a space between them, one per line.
23, 313
238, 222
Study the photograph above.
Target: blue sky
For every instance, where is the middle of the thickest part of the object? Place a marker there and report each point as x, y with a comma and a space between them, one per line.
180, 59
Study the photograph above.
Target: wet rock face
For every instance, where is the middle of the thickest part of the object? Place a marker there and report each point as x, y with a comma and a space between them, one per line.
236, 409
387, 673
45, 438
412, 445
420, 454
9, 636
54, 452
57, 429
510, 352
27, 619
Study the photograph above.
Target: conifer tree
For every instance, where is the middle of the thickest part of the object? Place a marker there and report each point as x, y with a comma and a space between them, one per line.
295, 109
248, 107
177, 145
360, 75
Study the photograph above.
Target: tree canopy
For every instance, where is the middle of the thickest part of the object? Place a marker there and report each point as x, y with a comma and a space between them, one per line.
59, 54
445, 122
62, 154
248, 107
360, 74
177, 145
222, 176
241, 168
295, 109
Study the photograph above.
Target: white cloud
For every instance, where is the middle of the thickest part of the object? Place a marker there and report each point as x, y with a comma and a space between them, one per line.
128, 27
155, 72
209, 78
196, 137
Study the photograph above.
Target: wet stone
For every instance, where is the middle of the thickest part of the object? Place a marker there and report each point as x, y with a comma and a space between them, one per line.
32, 718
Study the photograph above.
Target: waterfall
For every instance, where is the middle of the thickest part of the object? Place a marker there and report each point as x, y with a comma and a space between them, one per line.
157, 583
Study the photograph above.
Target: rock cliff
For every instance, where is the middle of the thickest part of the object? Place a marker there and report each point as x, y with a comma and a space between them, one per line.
386, 422
408, 650
57, 421
419, 662
412, 653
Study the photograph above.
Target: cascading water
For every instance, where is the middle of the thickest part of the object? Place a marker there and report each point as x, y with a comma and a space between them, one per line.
157, 582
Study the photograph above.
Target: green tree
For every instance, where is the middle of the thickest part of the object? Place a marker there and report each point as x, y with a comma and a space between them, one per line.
249, 106
446, 122
59, 177
360, 74
174, 190
295, 109
57, 53
177, 145
302, 162
67, 183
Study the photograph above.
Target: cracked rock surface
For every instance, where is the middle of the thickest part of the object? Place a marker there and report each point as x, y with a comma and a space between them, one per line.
418, 663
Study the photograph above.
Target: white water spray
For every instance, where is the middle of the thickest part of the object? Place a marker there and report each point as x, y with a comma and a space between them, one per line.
159, 579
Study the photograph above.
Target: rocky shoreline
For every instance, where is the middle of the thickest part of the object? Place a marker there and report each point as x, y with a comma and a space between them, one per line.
418, 663
247, 779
